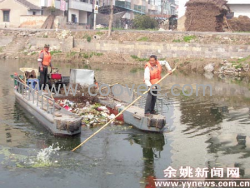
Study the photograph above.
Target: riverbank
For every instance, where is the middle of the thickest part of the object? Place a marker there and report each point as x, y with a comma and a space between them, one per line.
191, 50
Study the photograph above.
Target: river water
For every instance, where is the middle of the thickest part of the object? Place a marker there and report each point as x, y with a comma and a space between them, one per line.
203, 131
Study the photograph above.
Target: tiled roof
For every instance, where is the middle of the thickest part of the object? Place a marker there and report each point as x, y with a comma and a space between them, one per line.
29, 5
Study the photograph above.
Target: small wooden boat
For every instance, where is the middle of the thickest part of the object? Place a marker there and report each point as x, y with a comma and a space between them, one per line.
57, 120
133, 115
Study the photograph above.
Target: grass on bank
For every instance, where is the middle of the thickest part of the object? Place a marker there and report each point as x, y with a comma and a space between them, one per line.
239, 63
55, 52
139, 59
87, 37
145, 39
134, 70
185, 39
85, 55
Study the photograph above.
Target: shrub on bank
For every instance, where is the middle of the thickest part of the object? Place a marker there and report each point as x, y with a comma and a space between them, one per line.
144, 22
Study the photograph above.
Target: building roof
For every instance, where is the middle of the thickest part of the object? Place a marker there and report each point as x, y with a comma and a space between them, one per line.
29, 5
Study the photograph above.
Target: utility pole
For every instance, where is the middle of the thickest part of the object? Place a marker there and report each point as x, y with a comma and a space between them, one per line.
95, 12
111, 17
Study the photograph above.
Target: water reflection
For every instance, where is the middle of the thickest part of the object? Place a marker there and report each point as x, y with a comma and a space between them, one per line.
152, 145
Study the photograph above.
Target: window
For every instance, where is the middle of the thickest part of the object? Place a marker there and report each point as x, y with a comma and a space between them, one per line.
34, 13
6, 15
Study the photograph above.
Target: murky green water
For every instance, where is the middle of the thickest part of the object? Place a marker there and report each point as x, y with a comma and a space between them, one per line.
205, 132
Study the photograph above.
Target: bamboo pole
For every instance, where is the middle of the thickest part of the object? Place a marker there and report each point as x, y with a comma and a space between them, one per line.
119, 113
109, 86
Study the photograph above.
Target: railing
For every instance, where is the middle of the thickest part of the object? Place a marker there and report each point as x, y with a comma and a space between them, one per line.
36, 96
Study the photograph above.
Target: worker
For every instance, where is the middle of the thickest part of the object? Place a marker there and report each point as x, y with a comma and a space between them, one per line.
44, 61
152, 74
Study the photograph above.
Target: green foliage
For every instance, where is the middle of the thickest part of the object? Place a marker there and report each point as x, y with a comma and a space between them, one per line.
1, 49
143, 39
55, 52
188, 38
144, 22
33, 53
139, 59
241, 62
89, 39
99, 33
134, 70
86, 67
71, 54
89, 55
244, 59
96, 105
86, 36
176, 40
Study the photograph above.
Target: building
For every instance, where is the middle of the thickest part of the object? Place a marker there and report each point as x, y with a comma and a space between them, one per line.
11, 10
79, 11
239, 7
54, 7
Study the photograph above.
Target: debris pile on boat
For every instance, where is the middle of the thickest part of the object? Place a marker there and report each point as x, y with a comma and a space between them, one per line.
93, 115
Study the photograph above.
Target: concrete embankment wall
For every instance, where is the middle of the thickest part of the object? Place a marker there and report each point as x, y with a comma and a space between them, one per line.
5, 40
162, 49
64, 45
162, 44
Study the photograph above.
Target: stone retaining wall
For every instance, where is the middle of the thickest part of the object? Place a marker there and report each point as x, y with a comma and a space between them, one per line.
162, 49
5, 40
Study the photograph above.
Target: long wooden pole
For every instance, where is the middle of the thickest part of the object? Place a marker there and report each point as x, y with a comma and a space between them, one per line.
119, 113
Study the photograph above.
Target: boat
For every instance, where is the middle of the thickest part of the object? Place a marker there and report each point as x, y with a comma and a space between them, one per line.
60, 121
134, 115
55, 119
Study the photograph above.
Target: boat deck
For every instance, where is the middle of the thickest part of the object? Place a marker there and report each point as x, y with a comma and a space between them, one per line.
57, 120
134, 115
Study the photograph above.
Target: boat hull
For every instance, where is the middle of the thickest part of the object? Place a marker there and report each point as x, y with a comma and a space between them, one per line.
47, 120
135, 116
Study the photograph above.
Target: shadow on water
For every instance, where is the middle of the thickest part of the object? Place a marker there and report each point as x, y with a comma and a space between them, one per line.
152, 145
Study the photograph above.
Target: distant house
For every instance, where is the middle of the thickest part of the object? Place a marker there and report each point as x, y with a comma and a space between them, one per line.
11, 10
205, 15
239, 7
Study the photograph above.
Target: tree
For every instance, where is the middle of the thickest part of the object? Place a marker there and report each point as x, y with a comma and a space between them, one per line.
144, 22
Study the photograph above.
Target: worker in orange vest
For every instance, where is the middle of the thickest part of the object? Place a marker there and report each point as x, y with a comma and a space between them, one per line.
44, 60
152, 74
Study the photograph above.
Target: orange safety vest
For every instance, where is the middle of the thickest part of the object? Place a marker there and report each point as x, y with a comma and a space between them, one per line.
46, 58
155, 72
